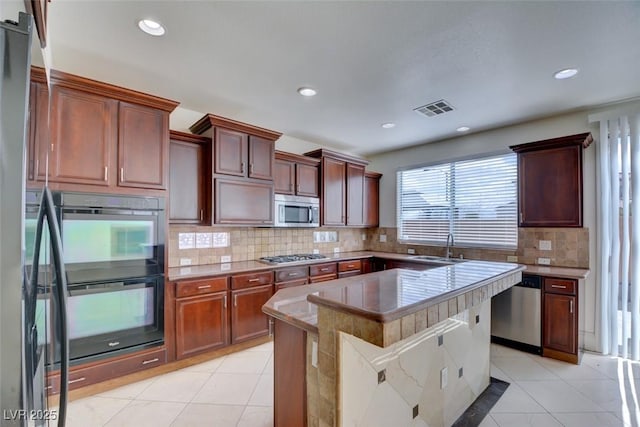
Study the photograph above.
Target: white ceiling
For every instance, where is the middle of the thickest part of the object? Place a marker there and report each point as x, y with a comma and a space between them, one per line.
371, 62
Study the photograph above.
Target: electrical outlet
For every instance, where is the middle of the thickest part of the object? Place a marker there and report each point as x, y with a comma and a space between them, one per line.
544, 261
225, 258
512, 258
363, 236
383, 238
316, 251
444, 377
336, 250
544, 245
411, 251
314, 353
185, 261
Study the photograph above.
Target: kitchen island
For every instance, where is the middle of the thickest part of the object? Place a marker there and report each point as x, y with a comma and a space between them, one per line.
396, 347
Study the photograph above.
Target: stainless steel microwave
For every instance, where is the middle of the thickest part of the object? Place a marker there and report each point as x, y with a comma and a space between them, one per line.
296, 211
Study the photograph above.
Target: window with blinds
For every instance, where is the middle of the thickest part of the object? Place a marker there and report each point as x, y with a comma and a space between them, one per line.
474, 200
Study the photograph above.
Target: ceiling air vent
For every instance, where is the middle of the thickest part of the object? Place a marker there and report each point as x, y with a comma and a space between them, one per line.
435, 108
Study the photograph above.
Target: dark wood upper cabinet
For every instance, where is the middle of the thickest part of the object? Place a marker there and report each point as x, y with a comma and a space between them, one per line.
143, 143
346, 198
243, 170
372, 199
261, 158
355, 194
550, 181
296, 175
243, 202
284, 177
189, 182
83, 132
101, 136
230, 152
333, 191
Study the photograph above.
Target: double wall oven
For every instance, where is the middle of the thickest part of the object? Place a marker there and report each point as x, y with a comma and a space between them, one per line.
113, 249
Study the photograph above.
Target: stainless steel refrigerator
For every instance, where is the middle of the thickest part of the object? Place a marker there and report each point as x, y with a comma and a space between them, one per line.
32, 277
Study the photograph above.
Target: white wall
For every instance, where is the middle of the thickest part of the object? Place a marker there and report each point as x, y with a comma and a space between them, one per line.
499, 140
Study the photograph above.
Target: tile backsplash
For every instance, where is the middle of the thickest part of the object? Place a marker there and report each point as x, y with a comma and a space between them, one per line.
569, 246
246, 243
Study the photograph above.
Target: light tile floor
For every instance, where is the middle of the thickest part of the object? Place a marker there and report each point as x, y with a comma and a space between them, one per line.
237, 390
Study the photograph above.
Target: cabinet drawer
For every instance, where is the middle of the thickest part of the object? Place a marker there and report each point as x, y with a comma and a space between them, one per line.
292, 273
290, 284
197, 287
317, 279
323, 269
249, 280
353, 265
344, 274
560, 286
109, 369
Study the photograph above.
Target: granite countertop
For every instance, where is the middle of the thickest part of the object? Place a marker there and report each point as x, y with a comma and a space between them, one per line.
386, 295
562, 272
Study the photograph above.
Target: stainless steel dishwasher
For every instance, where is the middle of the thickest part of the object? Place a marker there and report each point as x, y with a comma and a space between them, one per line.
516, 316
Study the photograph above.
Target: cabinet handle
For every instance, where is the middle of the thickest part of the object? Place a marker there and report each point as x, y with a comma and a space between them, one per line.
251, 168
224, 303
77, 380
37, 167
521, 217
235, 300
146, 362
350, 266
204, 287
292, 274
106, 173
291, 188
52, 147
242, 167
559, 286
270, 327
113, 344
325, 269
201, 214
298, 189
571, 306
49, 387
257, 279
121, 174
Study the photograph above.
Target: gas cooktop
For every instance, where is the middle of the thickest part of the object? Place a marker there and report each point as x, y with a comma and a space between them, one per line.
280, 259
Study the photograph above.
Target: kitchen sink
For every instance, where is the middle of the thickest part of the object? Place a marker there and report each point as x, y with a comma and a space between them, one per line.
438, 259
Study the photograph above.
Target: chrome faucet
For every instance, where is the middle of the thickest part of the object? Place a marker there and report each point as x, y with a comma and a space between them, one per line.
449, 245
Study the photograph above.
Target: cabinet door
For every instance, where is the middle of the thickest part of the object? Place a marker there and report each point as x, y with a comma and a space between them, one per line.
201, 324
241, 202
307, 180
39, 143
247, 319
560, 323
187, 183
143, 143
371, 201
83, 134
284, 177
261, 156
230, 152
333, 191
355, 194
550, 187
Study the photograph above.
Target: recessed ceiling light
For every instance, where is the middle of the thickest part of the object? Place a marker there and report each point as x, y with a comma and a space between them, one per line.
567, 73
151, 27
388, 125
463, 129
307, 91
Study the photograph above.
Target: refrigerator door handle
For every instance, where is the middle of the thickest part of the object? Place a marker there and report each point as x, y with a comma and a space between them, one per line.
47, 210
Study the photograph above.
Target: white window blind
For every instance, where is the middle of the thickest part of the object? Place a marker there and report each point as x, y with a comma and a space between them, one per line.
474, 200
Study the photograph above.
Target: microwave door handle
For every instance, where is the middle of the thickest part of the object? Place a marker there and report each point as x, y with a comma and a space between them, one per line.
310, 214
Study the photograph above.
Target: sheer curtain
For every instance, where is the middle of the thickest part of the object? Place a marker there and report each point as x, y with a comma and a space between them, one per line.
619, 231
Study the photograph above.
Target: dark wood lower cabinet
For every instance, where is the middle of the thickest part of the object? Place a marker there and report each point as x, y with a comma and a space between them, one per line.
290, 284
560, 320
201, 323
289, 381
247, 319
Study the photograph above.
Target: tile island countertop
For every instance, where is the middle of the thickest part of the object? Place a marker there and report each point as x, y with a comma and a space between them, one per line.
386, 295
